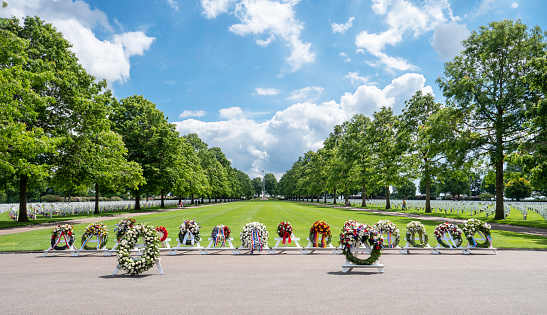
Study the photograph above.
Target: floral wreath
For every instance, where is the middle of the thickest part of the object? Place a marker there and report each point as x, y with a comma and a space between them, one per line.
220, 234
354, 234
471, 226
95, 229
122, 227
323, 229
162, 232
393, 234
453, 231
284, 230
64, 231
254, 236
416, 227
189, 232
149, 255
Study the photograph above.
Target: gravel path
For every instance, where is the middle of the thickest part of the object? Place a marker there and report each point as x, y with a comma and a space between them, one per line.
512, 282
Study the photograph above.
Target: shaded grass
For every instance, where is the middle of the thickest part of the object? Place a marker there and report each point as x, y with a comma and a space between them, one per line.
236, 215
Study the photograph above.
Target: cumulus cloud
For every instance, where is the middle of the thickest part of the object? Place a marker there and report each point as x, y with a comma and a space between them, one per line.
447, 39
266, 91
402, 18
269, 18
273, 145
104, 59
192, 113
355, 78
342, 28
309, 93
173, 4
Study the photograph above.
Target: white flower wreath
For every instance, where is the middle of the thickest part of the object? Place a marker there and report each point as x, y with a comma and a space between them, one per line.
386, 226
149, 255
254, 236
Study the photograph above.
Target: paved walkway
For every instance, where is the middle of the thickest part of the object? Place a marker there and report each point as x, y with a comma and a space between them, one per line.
512, 282
41, 226
496, 226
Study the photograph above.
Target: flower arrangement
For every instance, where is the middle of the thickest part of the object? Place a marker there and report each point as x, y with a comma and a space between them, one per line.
220, 234
284, 230
393, 234
189, 232
254, 236
123, 226
95, 229
353, 234
472, 226
64, 231
149, 255
412, 228
323, 229
452, 230
162, 233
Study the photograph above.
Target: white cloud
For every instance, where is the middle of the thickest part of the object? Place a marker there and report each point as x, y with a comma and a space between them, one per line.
192, 113
231, 113
514, 5
447, 39
403, 18
266, 91
309, 93
275, 144
355, 78
104, 59
342, 28
275, 19
346, 58
173, 4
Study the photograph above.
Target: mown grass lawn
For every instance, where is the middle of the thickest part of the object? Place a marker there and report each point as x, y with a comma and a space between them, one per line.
236, 214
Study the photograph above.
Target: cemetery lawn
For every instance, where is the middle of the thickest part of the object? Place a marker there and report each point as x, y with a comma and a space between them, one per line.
236, 214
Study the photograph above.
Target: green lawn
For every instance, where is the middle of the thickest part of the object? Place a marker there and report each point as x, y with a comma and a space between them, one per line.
235, 215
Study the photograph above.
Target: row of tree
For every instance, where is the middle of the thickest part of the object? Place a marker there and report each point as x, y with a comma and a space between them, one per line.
61, 128
495, 114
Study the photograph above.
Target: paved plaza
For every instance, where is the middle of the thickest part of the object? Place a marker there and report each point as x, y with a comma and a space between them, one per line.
512, 282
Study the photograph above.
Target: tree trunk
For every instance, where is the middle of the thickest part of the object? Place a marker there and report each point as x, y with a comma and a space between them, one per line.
388, 204
364, 196
346, 199
325, 197
428, 195
192, 201
162, 205
318, 198
23, 182
137, 200
96, 199
500, 215
334, 200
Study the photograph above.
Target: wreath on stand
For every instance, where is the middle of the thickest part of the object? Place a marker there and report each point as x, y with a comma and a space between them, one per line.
162, 233
471, 226
150, 254
393, 234
254, 236
452, 230
189, 232
95, 229
416, 227
67, 232
353, 234
220, 234
323, 229
284, 230
122, 227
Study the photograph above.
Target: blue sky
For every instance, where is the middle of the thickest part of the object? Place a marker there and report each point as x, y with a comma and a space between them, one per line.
268, 80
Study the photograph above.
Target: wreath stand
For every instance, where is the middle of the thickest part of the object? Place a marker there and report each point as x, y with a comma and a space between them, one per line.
114, 249
70, 248
91, 239
212, 247
467, 250
284, 248
137, 248
310, 248
349, 266
238, 250
180, 246
405, 250
448, 240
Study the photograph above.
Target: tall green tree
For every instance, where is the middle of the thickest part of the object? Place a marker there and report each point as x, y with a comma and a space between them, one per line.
518, 189
257, 185
50, 101
487, 89
270, 183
